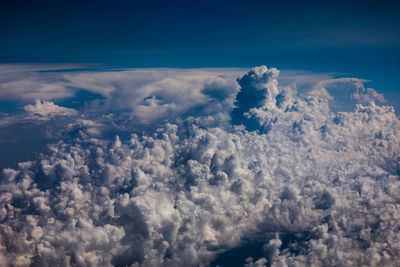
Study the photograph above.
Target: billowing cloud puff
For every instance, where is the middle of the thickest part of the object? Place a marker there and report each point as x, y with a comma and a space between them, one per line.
258, 89
344, 91
153, 96
312, 187
321, 92
47, 110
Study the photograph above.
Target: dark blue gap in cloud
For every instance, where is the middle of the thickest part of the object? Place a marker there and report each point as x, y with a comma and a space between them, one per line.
237, 256
18, 146
79, 99
11, 107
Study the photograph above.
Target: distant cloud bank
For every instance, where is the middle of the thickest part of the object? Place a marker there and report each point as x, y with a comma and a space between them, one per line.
169, 167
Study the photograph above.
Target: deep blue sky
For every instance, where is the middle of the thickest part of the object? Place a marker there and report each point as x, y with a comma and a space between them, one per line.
361, 38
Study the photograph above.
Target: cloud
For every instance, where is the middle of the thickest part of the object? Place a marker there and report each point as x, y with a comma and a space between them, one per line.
146, 96
368, 95
29, 82
154, 95
258, 88
311, 186
321, 93
47, 110
345, 91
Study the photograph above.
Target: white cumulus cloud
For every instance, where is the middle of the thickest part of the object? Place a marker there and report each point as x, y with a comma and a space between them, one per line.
43, 110
311, 186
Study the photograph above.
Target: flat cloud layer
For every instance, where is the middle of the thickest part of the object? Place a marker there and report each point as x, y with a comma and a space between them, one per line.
254, 162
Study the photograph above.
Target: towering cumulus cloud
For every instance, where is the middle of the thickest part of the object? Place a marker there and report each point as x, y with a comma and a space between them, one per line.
312, 187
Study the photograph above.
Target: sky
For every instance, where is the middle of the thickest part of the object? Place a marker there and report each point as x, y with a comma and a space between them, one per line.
353, 37
209, 133
360, 38
328, 35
